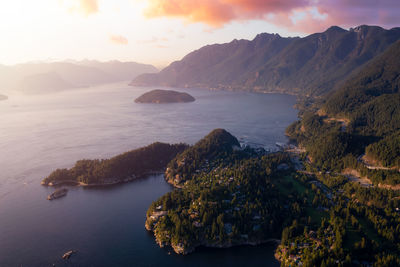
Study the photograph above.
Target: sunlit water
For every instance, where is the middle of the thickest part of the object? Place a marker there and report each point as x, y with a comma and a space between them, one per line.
106, 225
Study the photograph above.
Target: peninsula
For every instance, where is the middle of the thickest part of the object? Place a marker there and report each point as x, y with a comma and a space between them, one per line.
228, 196
122, 168
164, 96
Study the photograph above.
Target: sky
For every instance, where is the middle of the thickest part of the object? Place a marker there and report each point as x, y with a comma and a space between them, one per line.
161, 31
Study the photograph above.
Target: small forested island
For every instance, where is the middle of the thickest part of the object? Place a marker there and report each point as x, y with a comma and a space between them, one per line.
3, 97
122, 168
164, 96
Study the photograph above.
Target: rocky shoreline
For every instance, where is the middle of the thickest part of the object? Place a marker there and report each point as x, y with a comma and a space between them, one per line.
182, 249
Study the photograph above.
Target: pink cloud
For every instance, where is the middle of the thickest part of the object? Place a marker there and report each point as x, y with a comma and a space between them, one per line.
119, 39
84, 7
219, 12
315, 15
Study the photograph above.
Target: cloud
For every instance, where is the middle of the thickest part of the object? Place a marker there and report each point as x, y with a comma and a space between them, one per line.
84, 7
89, 6
297, 15
346, 13
219, 12
119, 39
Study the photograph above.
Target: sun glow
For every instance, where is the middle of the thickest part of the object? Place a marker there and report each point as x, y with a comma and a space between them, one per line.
161, 31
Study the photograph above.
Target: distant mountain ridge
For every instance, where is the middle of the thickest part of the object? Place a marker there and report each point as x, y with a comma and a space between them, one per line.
56, 76
313, 65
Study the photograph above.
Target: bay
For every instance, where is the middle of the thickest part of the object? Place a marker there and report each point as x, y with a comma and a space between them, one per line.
39, 133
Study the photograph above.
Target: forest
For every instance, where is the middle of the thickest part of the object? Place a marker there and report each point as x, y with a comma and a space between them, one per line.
229, 205
321, 218
218, 147
386, 151
362, 117
323, 214
129, 165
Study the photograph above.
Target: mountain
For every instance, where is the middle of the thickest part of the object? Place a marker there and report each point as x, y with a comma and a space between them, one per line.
361, 117
43, 83
380, 76
122, 71
313, 65
71, 74
225, 65
371, 97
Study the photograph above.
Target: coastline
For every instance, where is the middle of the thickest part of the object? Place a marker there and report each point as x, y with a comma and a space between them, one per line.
180, 249
117, 192
81, 184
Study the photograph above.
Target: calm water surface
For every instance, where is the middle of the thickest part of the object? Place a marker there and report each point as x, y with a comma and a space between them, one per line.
106, 225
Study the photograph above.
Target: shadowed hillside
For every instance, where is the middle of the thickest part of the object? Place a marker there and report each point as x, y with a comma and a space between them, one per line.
312, 65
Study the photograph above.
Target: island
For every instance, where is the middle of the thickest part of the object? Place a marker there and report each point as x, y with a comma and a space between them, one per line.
164, 96
122, 168
3, 97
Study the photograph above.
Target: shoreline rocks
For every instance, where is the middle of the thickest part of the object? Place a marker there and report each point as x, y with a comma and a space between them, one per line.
182, 249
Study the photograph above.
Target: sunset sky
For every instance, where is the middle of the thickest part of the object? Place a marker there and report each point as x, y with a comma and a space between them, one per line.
161, 31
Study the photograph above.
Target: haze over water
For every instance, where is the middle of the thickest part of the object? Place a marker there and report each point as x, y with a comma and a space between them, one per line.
40, 133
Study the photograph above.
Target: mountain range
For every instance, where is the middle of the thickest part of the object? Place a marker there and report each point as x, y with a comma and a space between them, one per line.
55, 76
310, 66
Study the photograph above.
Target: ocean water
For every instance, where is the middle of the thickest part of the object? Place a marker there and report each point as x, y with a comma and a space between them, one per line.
39, 133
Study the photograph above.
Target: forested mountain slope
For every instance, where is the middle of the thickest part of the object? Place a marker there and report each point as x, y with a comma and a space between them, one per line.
312, 65
353, 120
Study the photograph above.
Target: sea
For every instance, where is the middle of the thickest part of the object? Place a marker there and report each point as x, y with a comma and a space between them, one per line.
105, 225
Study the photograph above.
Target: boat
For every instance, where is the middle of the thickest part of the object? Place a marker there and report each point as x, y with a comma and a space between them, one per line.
57, 194
68, 254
